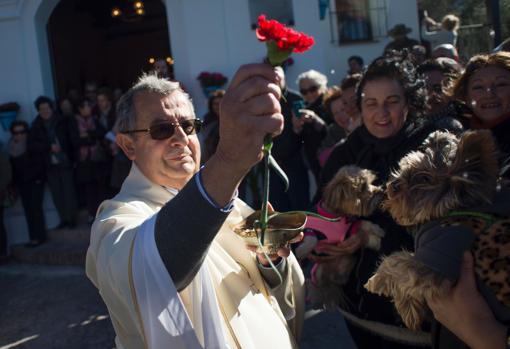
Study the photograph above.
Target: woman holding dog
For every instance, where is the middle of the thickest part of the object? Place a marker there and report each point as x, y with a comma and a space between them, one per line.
484, 87
390, 98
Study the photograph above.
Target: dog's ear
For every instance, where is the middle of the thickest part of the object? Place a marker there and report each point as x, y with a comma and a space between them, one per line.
440, 142
474, 171
338, 193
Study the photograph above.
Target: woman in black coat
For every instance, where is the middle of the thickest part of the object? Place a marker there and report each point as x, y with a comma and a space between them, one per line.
92, 160
390, 98
28, 178
48, 139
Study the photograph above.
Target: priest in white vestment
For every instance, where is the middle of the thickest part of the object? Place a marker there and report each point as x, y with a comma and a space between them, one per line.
162, 252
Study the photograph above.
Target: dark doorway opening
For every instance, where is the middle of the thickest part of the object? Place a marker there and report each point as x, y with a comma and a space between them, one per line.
87, 43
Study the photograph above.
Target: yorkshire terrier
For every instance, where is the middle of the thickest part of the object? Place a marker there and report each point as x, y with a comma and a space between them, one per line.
451, 192
349, 196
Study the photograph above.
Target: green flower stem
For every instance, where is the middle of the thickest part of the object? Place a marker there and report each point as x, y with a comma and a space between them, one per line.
268, 145
274, 165
316, 215
271, 264
276, 55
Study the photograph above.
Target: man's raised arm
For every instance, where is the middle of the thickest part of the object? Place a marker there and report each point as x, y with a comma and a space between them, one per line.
186, 226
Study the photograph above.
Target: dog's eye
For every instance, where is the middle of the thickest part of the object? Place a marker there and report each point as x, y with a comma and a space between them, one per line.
422, 179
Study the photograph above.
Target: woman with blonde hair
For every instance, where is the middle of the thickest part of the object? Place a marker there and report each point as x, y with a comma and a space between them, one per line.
444, 33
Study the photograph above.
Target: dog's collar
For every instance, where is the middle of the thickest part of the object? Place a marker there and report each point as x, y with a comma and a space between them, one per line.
487, 217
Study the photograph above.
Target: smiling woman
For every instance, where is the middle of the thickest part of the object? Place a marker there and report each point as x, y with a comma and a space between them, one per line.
390, 97
384, 107
485, 89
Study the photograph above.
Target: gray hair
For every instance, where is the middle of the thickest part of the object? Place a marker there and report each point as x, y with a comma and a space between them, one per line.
319, 78
126, 113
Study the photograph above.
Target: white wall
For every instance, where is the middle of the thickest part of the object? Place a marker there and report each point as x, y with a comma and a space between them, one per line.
24, 59
206, 35
229, 41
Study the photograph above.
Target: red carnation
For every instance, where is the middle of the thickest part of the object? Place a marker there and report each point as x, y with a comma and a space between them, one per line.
280, 40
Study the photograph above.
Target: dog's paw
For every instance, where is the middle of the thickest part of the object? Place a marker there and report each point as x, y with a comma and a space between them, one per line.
374, 233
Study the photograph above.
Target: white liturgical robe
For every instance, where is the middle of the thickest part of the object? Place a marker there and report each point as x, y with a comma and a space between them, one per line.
227, 305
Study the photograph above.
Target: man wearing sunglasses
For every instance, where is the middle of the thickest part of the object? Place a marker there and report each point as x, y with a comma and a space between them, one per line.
163, 255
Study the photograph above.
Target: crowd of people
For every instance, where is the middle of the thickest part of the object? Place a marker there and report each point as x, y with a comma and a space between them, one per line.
372, 118
70, 145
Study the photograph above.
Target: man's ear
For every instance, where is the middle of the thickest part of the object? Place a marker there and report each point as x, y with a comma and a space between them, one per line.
126, 143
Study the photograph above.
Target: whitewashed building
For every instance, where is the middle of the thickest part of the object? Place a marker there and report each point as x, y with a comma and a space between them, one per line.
204, 35
200, 35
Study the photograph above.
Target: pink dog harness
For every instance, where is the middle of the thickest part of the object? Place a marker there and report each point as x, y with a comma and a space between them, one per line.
329, 233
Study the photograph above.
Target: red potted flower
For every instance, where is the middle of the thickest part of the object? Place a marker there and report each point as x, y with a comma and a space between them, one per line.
211, 82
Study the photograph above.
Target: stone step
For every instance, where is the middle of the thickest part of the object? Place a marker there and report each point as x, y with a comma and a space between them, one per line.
64, 246
80, 233
52, 253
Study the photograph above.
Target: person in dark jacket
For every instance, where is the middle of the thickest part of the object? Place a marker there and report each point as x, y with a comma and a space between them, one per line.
28, 178
5, 179
288, 152
49, 139
400, 40
439, 73
310, 123
105, 110
211, 127
92, 157
390, 98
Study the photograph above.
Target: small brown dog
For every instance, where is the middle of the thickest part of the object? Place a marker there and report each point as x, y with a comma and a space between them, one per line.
351, 195
451, 192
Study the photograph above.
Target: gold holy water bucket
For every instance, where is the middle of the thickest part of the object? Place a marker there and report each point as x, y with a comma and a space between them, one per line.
281, 228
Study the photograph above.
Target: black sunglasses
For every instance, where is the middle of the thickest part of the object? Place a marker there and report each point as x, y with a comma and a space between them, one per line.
311, 89
167, 129
19, 132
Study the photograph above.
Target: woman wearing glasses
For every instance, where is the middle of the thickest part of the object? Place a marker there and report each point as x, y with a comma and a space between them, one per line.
311, 121
443, 111
28, 177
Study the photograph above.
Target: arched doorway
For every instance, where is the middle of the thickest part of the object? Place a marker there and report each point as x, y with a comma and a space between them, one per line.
87, 43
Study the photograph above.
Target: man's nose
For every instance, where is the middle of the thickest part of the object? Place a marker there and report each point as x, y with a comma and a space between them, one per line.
179, 138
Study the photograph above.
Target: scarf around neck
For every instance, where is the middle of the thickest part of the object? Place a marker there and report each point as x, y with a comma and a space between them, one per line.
381, 154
